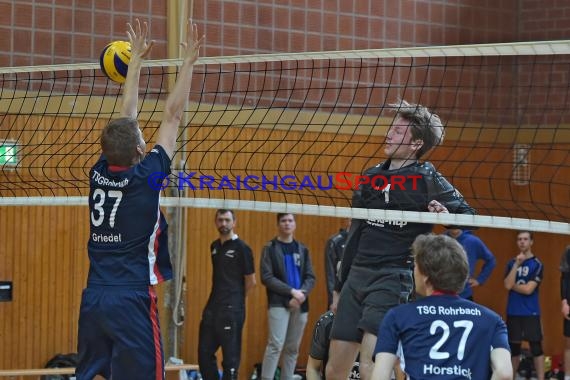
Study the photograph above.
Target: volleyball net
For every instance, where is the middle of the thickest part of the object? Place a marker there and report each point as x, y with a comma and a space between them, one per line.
294, 132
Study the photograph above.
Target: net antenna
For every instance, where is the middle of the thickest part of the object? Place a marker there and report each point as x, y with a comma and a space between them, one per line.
292, 133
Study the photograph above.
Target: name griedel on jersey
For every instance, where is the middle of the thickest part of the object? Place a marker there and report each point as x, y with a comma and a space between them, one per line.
104, 181
107, 238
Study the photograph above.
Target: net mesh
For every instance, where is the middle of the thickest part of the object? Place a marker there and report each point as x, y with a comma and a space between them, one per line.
277, 133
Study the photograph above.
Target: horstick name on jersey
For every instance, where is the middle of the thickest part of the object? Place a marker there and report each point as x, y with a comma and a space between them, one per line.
457, 370
441, 310
104, 181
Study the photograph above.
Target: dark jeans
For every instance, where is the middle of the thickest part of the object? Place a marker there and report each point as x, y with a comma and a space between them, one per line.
221, 326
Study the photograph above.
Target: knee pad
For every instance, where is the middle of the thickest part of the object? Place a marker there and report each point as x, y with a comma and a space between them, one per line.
535, 348
515, 348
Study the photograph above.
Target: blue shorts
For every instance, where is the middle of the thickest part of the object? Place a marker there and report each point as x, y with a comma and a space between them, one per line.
119, 334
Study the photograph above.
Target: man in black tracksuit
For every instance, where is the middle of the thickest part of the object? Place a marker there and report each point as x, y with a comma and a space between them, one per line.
223, 317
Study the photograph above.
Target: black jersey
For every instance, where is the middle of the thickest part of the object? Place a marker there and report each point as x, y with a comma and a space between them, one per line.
410, 188
231, 261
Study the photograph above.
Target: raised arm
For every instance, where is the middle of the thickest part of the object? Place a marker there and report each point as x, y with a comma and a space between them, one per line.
140, 49
177, 98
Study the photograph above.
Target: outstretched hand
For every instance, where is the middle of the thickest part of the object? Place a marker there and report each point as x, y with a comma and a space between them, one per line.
191, 48
140, 46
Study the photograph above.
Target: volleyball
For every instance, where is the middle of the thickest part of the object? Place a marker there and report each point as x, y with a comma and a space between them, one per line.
115, 59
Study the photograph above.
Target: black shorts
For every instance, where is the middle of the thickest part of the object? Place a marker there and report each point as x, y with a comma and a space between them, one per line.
566, 328
366, 297
526, 328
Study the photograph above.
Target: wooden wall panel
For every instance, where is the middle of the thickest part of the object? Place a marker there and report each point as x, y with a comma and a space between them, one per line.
256, 229
43, 252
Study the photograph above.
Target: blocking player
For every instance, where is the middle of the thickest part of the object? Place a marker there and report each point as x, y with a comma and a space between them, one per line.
376, 270
442, 336
119, 334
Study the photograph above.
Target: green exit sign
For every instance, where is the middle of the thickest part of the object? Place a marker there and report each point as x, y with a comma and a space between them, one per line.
8, 153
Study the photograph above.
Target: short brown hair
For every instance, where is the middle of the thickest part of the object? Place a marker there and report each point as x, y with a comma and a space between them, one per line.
530, 234
119, 141
426, 126
442, 260
282, 214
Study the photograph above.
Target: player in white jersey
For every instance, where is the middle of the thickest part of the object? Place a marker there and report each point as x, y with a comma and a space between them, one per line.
442, 335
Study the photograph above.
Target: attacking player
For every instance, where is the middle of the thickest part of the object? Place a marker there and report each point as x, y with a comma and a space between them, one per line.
442, 336
119, 333
376, 270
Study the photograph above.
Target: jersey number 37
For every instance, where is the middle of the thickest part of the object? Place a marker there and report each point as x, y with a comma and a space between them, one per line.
98, 212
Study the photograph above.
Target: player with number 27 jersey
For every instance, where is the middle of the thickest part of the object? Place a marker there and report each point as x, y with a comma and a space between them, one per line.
128, 241
442, 336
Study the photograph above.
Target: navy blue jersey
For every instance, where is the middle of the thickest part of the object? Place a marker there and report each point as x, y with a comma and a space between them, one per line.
232, 261
128, 239
521, 304
443, 337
